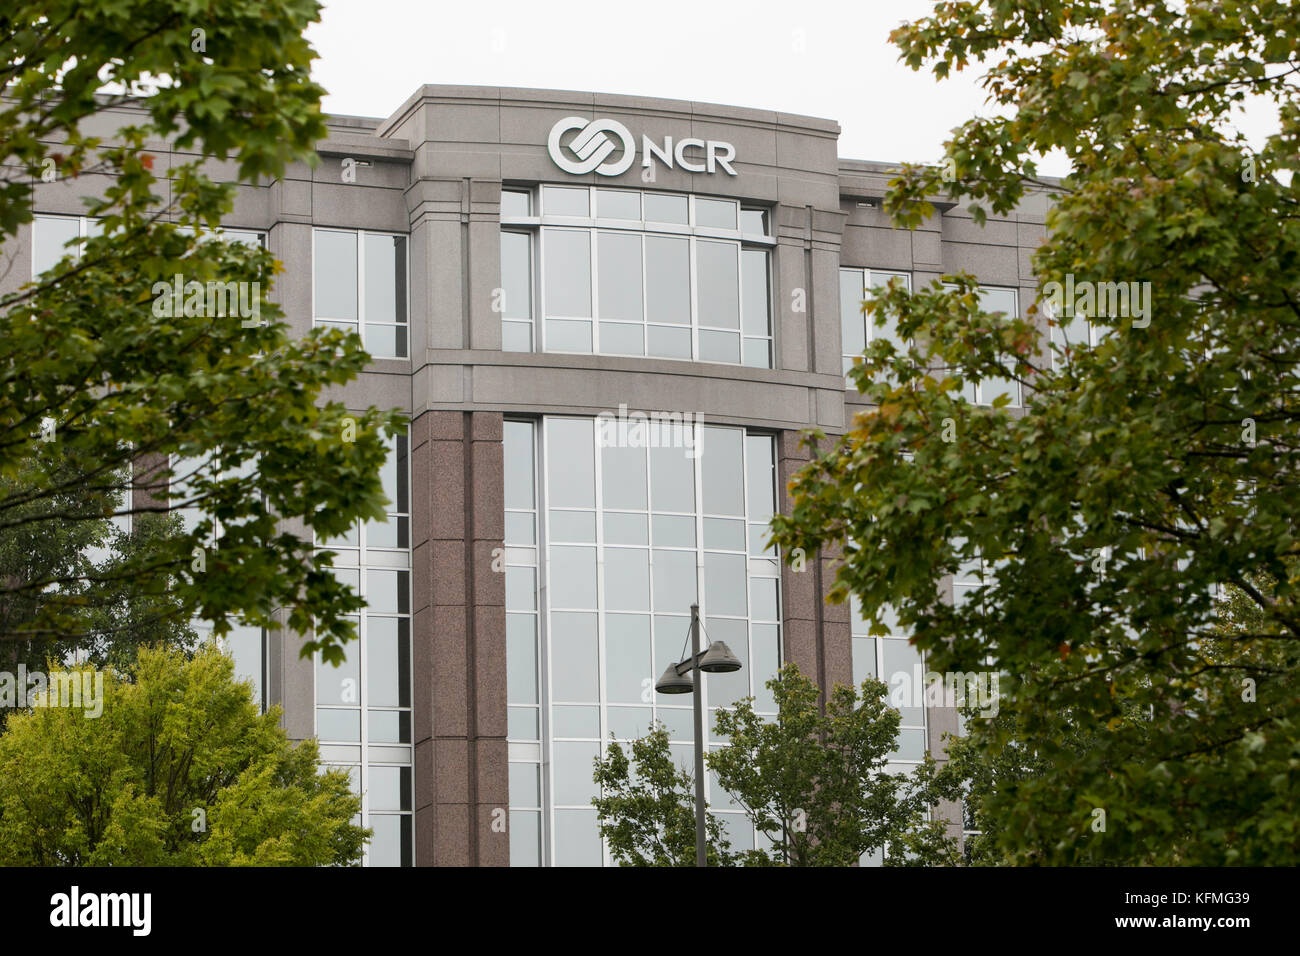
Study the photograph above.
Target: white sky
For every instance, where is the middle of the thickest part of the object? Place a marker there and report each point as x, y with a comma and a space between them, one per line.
815, 57
827, 58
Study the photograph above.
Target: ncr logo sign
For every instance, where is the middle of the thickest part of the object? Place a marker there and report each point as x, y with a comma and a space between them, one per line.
606, 147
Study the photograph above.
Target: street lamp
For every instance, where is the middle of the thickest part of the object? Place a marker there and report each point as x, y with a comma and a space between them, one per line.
677, 679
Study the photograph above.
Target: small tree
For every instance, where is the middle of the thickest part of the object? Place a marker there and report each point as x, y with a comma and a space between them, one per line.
814, 782
180, 769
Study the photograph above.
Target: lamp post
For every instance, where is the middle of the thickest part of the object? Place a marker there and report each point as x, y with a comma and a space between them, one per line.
677, 679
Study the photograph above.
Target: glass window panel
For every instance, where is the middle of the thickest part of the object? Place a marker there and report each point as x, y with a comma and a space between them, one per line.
573, 657
568, 272
721, 471
998, 300
903, 672
521, 658
342, 684
667, 342
627, 579
49, 233
757, 353
763, 595
568, 335
514, 203
629, 723
660, 208
719, 347
864, 659
853, 337
525, 785
678, 721
619, 269
519, 465
672, 480
516, 336
386, 341
244, 644
724, 583
766, 648
388, 591
389, 788
573, 770
523, 723
393, 533
724, 533
755, 320
573, 526
521, 589
385, 278
715, 213
628, 657
577, 839
618, 338
388, 654
760, 476
520, 528
344, 725
674, 531
725, 689
753, 222
623, 473
389, 726
525, 838
668, 280
573, 577
517, 275
618, 204
336, 275
565, 201
571, 467
386, 846
625, 529
674, 580
719, 284
567, 721
911, 744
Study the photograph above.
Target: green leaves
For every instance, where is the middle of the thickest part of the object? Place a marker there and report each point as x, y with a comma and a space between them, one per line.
180, 769
128, 385
1155, 465
814, 783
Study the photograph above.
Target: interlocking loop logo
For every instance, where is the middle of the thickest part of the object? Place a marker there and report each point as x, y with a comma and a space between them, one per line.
591, 146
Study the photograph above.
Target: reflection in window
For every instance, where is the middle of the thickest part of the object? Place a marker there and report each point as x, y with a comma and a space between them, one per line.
1002, 301
611, 542
360, 286
627, 273
363, 706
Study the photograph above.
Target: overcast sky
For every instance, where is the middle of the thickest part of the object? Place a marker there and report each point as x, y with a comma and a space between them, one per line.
815, 57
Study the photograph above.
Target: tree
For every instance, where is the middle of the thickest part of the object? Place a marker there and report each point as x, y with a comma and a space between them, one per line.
179, 769
1156, 461
106, 377
813, 782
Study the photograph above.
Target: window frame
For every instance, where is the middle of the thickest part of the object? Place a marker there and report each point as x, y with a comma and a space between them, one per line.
362, 323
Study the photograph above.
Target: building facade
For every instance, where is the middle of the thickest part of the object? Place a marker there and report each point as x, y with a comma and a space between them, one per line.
608, 319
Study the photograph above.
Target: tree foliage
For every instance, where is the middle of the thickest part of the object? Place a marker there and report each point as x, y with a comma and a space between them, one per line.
180, 769
813, 782
97, 386
1156, 463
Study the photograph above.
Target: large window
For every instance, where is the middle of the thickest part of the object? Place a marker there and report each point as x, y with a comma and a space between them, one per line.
619, 272
52, 235
360, 285
363, 706
608, 543
857, 328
